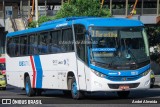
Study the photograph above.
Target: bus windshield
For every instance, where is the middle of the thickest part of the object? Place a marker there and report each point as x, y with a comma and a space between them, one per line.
119, 48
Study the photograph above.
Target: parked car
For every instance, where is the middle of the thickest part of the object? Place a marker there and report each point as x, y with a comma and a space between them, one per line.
2, 66
2, 81
3, 70
152, 79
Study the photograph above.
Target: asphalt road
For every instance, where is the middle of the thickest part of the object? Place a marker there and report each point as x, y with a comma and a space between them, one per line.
55, 97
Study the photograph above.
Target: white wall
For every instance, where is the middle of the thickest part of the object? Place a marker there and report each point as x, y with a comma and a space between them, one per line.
2, 22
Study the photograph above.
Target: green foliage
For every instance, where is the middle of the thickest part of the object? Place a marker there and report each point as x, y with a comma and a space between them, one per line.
76, 8
32, 24
82, 8
43, 19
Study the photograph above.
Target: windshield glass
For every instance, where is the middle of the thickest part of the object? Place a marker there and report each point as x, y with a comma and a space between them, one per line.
125, 48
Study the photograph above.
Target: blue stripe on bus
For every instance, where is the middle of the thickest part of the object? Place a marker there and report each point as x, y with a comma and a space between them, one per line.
120, 72
39, 72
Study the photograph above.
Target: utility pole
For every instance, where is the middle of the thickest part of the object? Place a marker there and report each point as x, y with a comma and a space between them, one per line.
4, 11
21, 8
126, 8
111, 6
158, 7
62, 2
142, 5
45, 7
29, 9
36, 10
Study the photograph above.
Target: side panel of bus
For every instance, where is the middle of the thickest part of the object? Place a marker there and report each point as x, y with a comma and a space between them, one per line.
15, 69
55, 69
50, 70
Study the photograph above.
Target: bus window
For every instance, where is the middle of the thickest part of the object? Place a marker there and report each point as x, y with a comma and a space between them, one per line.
17, 50
33, 42
23, 45
53, 44
10, 47
42, 46
80, 41
67, 40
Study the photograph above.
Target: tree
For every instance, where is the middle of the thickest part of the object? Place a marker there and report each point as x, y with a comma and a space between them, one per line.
77, 8
82, 8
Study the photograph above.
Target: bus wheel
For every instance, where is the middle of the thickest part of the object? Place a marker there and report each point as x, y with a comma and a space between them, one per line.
123, 94
29, 91
76, 94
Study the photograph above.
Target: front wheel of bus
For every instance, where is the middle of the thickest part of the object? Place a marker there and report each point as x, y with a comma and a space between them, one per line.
29, 90
76, 94
123, 94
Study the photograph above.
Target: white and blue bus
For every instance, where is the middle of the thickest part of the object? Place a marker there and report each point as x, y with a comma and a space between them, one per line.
80, 54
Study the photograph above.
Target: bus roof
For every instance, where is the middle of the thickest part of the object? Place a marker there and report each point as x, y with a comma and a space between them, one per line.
86, 21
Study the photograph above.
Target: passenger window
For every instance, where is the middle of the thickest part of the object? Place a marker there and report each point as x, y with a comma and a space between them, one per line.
80, 41
23, 45
10, 47
33, 43
43, 45
54, 46
17, 46
67, 43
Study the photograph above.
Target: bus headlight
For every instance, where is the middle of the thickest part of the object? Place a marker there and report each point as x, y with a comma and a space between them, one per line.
98, 74
145, 73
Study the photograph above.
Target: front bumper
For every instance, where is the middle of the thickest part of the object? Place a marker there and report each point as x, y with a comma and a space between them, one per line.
102, 84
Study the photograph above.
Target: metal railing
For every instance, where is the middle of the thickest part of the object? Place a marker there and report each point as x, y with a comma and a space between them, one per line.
138, 11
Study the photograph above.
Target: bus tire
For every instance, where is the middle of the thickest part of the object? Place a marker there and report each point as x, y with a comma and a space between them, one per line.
76, 94
123, 94
29, 90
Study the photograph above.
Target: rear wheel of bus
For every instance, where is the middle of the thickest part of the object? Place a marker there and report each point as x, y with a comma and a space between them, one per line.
29, 90
76, 94
123, 94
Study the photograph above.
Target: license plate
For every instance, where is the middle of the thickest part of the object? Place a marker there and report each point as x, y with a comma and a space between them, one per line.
123, 87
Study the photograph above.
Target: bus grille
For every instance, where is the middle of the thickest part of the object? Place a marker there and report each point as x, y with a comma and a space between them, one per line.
116, 78
116, 86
